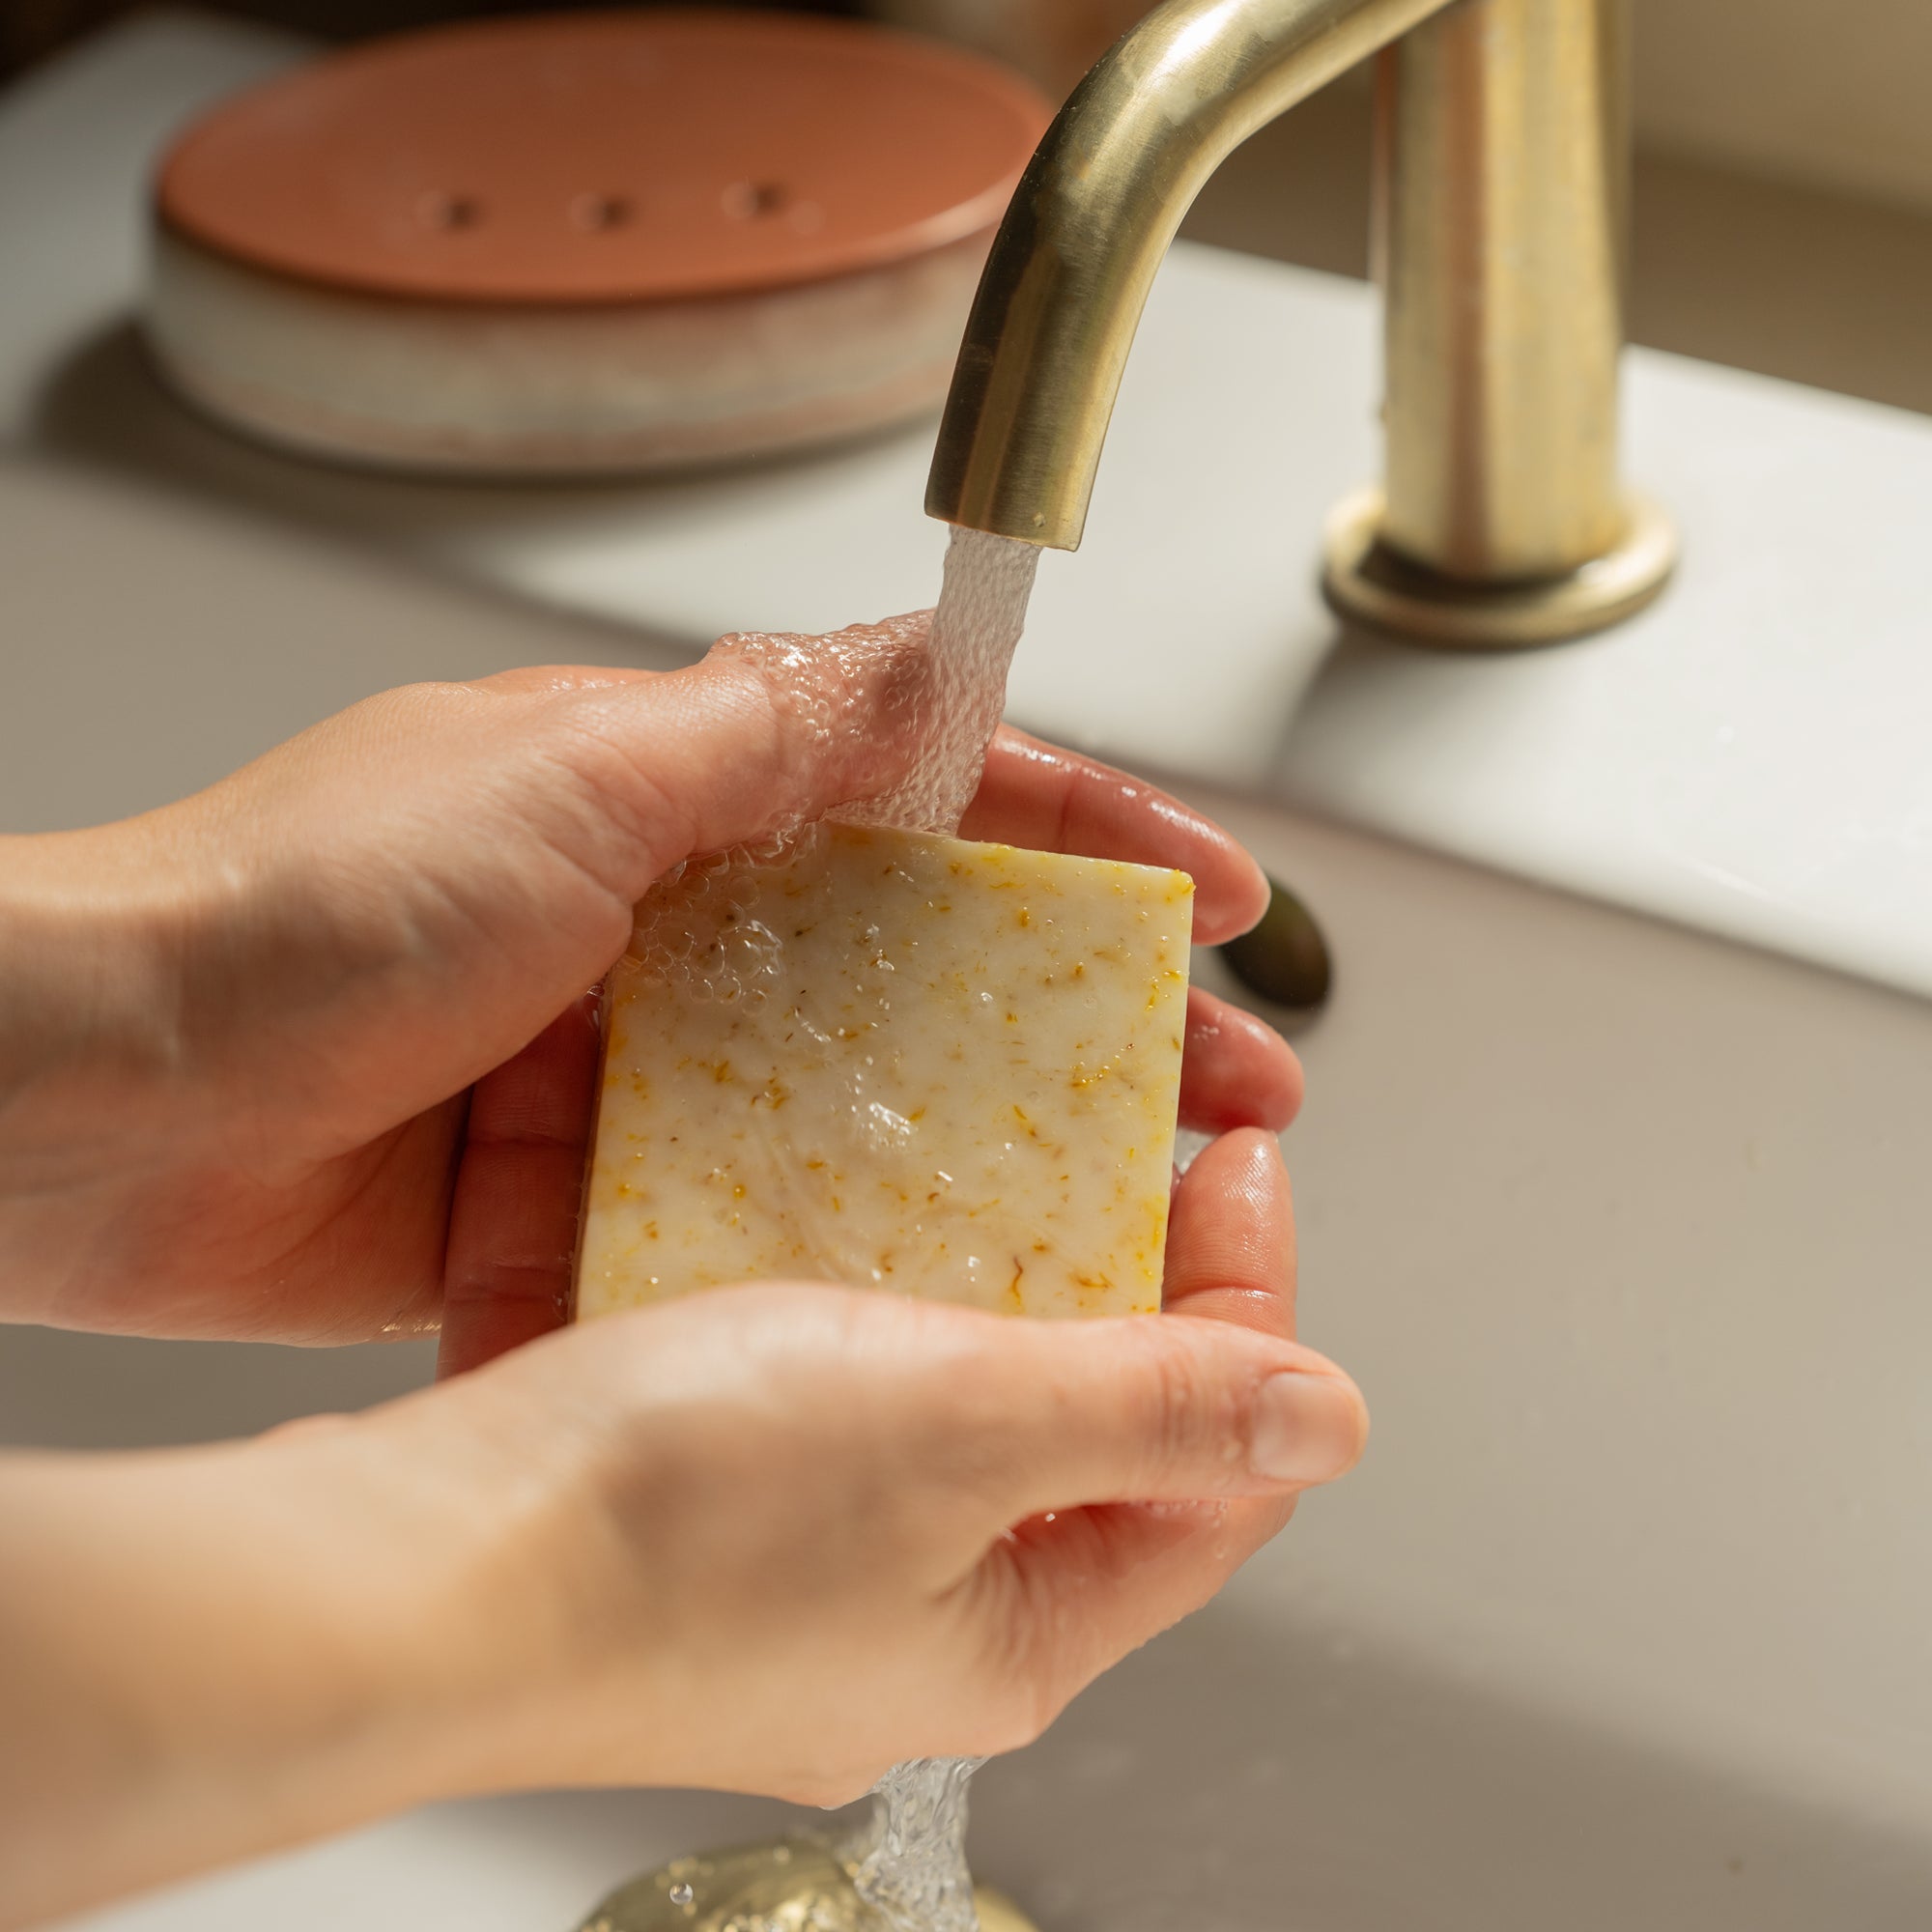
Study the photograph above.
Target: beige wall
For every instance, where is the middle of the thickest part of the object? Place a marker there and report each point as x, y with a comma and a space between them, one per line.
1837, 93
1829, 92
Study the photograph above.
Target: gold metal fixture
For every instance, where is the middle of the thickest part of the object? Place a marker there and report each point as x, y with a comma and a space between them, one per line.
794, 1885
1501, 163
1283, 958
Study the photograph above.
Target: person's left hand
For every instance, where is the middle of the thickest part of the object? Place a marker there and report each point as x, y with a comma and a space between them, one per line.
309, 1057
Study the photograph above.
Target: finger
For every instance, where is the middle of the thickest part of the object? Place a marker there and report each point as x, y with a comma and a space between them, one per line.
1231, 1238
1118, 1573
1235, 1070
519, 1191
1037, 795
1071, 1593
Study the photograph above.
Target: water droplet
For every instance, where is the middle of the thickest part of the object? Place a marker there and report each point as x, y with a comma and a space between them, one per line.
681, 1893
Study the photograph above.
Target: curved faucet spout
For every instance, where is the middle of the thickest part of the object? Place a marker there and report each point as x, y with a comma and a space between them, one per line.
1088, 225
1502, 153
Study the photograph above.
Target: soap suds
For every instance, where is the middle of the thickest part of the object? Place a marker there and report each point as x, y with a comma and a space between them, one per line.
940, 678
862, 695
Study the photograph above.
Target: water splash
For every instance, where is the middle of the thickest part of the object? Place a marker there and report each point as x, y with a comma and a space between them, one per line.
975, 629
908, 1860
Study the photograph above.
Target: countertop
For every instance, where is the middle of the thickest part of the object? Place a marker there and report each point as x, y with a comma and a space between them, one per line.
1746, 758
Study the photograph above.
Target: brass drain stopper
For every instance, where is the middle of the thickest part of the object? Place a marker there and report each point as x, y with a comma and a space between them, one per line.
1285, 958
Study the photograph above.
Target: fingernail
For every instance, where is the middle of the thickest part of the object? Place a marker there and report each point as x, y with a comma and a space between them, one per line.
1308, 1429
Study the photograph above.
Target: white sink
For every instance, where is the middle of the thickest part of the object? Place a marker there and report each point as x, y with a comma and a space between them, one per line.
1624, 1623
1627, 1621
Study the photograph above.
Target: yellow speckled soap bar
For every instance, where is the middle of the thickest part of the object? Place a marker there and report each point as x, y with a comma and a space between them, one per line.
898, 1060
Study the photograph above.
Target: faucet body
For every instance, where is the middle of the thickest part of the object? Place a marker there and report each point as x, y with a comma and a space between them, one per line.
1501, 170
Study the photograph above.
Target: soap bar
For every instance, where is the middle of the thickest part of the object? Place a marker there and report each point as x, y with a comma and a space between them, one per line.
898, 1060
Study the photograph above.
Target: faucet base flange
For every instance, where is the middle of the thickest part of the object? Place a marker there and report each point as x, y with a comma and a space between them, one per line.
800, 1883
1366, 582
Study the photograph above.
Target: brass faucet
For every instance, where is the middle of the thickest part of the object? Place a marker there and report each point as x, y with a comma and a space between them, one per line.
1502, 159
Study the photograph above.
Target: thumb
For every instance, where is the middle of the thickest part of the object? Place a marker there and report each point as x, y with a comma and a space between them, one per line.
405, 895
767, 732
1143, 1410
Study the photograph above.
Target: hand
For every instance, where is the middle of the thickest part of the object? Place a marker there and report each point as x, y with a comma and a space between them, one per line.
240, 1034
769, 1538
821, 1531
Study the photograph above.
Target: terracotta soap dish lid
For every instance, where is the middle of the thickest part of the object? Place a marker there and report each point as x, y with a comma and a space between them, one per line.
604, 158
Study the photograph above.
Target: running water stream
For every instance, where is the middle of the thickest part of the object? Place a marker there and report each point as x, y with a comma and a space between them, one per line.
910, 1863
904, 1868
975, 629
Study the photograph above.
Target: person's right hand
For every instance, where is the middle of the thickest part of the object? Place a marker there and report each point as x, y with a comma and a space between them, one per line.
788, 1535
769, 1538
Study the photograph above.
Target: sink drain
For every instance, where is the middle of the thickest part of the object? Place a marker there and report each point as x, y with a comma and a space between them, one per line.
1283, 959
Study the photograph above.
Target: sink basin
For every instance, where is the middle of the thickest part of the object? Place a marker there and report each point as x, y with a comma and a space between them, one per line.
1610, 1181
1626, 1619
1623, 1622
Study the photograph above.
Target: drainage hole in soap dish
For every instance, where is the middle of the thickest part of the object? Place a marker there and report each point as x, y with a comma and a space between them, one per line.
598, 214
747, 201
440, 209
